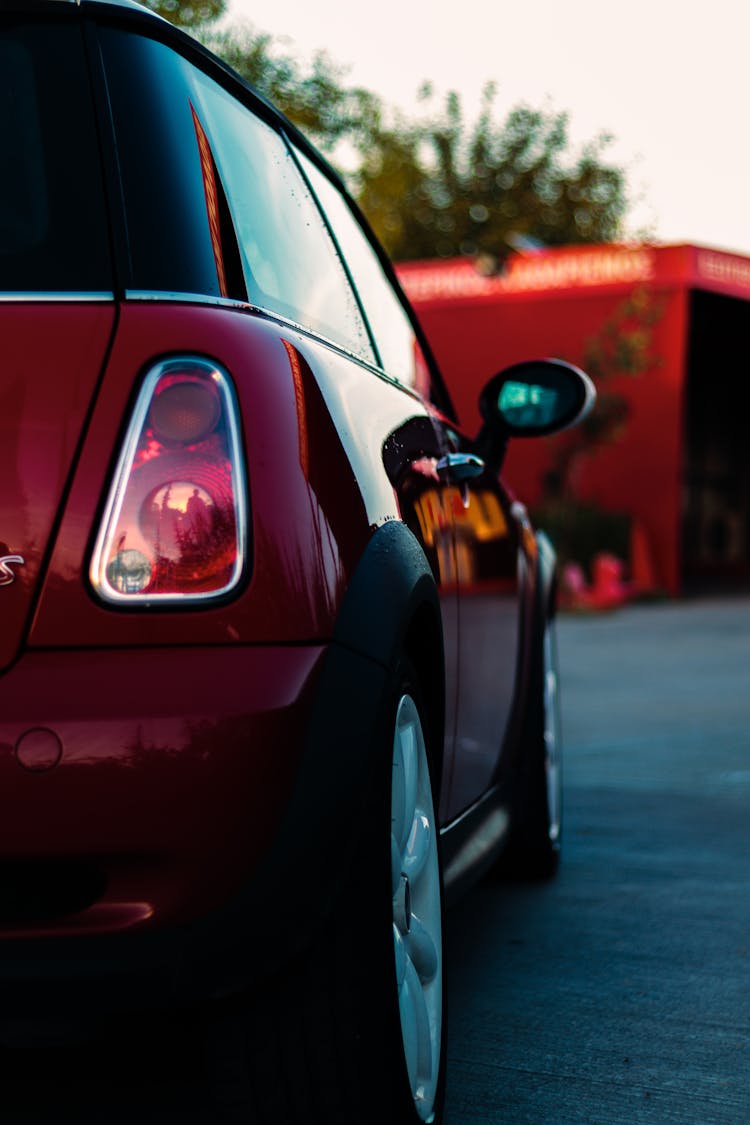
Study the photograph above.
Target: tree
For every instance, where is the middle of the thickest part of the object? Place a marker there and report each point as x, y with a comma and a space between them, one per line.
315, 98
624, 346
188, 13
437, 186
443, 187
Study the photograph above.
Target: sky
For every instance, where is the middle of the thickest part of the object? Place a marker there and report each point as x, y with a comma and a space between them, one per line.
667, 79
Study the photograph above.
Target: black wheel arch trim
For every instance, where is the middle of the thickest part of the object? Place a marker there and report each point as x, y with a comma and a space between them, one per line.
392, 582
392, 608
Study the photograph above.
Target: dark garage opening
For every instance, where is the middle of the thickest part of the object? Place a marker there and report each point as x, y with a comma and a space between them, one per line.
716, 499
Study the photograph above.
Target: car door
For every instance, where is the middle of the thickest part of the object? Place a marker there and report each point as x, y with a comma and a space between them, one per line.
488, 563
413, 452
467, 525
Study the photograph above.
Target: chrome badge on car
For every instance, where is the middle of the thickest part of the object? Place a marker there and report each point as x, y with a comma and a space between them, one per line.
7, 575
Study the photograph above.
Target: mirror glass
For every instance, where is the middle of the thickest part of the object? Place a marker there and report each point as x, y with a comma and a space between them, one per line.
530, 404
537, 397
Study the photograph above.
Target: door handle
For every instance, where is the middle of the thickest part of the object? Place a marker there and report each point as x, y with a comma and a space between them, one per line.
458, 467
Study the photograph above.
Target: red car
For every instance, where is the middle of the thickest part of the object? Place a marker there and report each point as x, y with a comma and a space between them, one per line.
277, 648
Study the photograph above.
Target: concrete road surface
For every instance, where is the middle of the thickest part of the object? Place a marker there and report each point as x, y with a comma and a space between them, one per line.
620, 993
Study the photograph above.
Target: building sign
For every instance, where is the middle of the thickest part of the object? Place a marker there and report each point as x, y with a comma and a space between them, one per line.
549, 270
724, 269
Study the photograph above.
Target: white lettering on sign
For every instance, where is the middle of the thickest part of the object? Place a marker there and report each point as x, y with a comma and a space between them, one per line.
722, 267
543, 271
569, 270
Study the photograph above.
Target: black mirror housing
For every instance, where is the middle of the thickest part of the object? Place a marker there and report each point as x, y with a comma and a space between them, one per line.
536, 398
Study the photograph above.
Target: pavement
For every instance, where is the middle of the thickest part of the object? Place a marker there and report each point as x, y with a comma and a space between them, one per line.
619, 993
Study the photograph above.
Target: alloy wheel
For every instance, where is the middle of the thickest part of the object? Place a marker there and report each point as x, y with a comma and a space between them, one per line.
417, 916
552, 739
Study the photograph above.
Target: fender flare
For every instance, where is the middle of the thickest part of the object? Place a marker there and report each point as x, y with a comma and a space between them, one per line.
392, 584
300, 883
392, 609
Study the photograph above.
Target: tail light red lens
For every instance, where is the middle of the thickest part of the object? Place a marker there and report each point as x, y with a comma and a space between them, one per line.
174, 526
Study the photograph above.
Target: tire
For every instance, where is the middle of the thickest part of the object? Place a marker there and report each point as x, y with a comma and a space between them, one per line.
353, 1034
533, 849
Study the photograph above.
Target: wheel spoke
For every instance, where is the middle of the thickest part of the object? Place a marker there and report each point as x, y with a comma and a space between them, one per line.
417, 920
400, 955
421, 1022
417, 846
422, 951
409, 1023
395, 865
405, 769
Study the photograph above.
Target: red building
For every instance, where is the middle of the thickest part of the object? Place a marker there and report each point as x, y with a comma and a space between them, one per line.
664, 330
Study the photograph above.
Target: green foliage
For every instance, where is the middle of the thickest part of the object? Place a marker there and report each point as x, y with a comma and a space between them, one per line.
188, 13
444, 187
623, 346
315, 98
437, 185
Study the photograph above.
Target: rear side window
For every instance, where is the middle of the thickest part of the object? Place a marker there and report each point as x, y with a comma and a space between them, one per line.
169, 236
400, 352
53, 229
291, 264
183, 139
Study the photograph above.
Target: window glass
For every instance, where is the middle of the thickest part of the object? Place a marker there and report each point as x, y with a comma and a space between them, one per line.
171, 249
291, 264
53, 230
190, 151
394, 334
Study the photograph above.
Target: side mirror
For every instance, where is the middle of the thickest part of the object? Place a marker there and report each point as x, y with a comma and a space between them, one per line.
542, 396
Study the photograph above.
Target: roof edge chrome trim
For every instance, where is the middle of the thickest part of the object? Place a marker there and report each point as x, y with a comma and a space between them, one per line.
269, 314
187, 298
68, 297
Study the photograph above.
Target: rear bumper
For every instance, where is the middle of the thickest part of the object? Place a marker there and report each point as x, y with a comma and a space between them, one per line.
214, 791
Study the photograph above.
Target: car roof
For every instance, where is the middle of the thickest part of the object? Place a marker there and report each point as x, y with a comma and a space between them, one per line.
116, 3
131, 4
131, 10
142, 8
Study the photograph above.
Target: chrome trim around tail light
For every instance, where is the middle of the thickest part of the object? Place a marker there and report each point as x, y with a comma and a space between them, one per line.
109, 529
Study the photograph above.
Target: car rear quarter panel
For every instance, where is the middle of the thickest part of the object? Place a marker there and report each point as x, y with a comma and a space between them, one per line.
173, 776
182, 730
313, 422
53, 355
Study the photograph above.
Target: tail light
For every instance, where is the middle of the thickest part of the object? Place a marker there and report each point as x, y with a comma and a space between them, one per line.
174, 526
